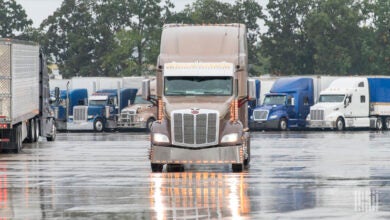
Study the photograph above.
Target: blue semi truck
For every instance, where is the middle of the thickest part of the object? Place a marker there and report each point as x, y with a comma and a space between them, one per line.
102, 111
286, 106
63, 106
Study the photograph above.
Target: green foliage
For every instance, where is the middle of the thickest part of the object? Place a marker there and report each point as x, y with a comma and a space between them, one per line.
13, 19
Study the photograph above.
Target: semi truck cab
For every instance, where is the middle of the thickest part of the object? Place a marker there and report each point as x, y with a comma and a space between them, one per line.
345, 103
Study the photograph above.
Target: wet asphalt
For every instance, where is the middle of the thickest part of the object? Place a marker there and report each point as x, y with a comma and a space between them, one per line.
293, 175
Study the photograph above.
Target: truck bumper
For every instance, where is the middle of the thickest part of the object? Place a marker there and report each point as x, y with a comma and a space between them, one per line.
214, 155
321, 124
131, 125
79, 126
270, 124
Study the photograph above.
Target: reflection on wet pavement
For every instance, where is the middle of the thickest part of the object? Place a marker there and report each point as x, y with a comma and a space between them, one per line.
293, 175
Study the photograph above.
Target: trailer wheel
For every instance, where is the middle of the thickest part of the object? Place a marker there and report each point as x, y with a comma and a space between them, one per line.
379, 124
156, 167
31, 130
35, 123
149, 123
53, 133
175, 168
98, 125
387, 123
283, 124
237, 167
340, 125
17, 138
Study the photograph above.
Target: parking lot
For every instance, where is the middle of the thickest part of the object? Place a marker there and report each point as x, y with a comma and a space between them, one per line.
293, 175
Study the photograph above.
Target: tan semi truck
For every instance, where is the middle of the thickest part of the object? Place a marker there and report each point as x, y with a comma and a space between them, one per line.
201, 93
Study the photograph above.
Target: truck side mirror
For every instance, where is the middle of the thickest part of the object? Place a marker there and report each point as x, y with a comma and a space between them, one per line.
251, 89
146, 89
57, 93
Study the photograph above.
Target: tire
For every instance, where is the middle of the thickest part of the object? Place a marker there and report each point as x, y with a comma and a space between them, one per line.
247, 161
283, 124
237, 168
149, 123
98, 125
340, 125
17, 138
156, 167
53, 133
31, 129
175, 168
36, 130
387, 123
379, 124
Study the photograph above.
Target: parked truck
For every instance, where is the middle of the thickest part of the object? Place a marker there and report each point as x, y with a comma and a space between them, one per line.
202, 89
353, 102
286, 106
102, 111
25, 112
63, 107
140, 114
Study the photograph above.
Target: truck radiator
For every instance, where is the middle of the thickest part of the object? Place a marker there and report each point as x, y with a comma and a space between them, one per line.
128, 117
80, 113
260, 115
317, 115
195, 130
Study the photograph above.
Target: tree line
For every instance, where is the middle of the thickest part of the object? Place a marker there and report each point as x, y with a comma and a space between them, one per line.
296, 37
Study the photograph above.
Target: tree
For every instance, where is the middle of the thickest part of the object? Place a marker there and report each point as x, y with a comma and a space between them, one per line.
13, 19
69, 38
136, 36
333, 29
286, 43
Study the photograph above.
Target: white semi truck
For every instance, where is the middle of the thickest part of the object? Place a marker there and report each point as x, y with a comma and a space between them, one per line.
353, 102
25, 113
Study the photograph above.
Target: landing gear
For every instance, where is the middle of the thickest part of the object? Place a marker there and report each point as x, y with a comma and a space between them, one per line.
156, 167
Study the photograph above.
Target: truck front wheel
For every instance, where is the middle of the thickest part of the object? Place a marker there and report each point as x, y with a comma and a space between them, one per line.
98, 125
283, 124
387, 123
237, 167
340, 125
156, 167
149, 123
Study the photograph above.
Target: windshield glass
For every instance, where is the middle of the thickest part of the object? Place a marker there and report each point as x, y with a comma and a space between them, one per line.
97, 102
198, 86
140, 100
275, 100
331, 98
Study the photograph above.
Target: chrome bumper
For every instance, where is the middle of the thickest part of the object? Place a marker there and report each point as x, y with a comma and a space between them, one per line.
214, 155
321, 124
79, 126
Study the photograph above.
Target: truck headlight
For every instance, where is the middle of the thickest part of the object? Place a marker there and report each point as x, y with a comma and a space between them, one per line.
160, 138
230, 138
273, 116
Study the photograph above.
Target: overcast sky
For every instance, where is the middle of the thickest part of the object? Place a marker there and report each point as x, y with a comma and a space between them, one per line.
38, 10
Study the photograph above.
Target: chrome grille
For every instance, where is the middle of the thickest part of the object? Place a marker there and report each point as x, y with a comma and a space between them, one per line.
317, 115
195, 130
260, 115
80, 113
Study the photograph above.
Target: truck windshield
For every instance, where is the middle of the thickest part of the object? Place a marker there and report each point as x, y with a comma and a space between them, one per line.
331, 98
97, 102
140, 100
198, 86
275, 100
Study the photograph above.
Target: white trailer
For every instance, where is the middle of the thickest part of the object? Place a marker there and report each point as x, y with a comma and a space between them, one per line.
24, 94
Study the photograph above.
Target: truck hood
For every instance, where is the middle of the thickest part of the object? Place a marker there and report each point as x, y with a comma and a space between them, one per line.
136, 107
270, 107
217, 103
95, 110
326, 105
